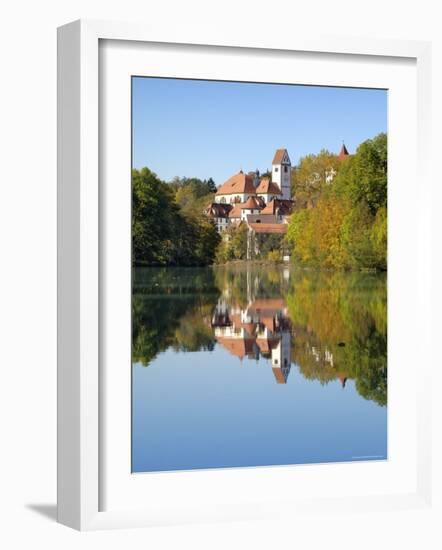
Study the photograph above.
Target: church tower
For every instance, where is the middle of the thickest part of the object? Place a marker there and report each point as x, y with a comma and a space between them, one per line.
282, 172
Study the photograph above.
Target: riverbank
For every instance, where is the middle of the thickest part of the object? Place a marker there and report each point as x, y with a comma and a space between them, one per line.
291, 265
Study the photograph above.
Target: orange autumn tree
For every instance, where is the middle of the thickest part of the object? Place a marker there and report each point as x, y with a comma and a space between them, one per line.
316, 233
345, 227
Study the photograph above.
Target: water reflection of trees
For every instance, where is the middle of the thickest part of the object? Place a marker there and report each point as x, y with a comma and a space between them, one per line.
171, 308
340, 325
337, 321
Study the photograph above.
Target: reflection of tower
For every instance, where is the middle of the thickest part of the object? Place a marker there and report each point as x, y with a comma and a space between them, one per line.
261, 329
343, 379
249, 283
281, 357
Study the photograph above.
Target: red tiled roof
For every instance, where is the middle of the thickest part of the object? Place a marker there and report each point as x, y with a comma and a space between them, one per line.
279, 155
266, 187
250, 204
270, 208
269, 227
239, 183
284, 207
235, 212
218, 210
258, 218
260, 201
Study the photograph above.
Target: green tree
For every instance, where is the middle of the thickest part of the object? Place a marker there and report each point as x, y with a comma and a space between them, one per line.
379, 238
357, 245
364, 176
343, 224
239, 242
311, 177
153, 213
211, 185
165, 232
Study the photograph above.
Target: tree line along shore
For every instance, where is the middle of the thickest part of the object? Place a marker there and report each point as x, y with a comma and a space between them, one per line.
338, 224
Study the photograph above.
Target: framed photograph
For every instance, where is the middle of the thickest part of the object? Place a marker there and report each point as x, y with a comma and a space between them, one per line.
242, 295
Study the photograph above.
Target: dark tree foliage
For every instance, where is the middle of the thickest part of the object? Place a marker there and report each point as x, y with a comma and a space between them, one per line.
162, 232
211, 185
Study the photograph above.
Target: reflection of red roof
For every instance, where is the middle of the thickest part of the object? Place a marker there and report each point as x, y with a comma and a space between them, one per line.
269, 227
267, 344
249, 327
343, 379
239, 183
266, 187
263, 345
268, 322
240, 347
235, 318
268, 303
279, 375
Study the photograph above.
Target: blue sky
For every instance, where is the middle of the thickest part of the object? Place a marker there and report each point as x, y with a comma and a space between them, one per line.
213, 129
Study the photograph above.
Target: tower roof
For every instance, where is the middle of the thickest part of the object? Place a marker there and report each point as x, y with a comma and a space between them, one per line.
281, 156
343, 153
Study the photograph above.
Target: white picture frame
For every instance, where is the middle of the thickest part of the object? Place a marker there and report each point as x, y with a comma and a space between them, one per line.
80, 289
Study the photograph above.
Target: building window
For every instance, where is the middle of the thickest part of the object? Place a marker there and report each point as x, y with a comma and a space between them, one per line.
286, 169
276, 168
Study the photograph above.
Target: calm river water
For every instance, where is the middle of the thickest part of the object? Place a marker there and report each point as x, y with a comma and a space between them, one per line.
257, 365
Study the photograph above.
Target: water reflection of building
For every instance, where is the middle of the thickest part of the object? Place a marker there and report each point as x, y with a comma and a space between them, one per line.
261, 329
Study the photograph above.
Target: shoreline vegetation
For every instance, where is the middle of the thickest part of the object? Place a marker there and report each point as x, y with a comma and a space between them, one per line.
338, 223
291, 265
